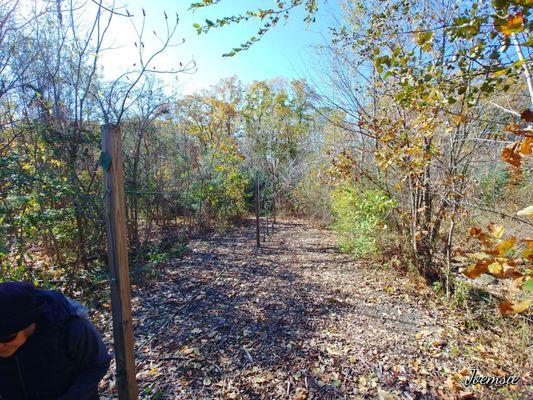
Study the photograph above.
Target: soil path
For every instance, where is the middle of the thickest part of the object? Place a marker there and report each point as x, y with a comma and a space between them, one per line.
294, 319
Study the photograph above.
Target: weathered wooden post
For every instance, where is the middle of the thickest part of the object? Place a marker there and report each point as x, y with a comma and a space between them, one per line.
257, 211
117, 255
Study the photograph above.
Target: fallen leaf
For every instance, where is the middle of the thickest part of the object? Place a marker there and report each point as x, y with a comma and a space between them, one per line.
383, 395
452, 384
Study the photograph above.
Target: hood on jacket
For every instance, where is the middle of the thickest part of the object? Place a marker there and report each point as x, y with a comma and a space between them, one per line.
56, 308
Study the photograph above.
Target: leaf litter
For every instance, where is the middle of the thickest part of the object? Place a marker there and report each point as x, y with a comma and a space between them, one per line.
297, 319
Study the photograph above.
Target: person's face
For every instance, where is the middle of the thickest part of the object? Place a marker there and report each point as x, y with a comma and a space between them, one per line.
9, 348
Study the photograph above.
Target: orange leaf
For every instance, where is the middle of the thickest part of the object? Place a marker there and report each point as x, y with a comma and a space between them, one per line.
479, 235
526, 146
458, 119
477, 269
514, 24
511, 156
508, 308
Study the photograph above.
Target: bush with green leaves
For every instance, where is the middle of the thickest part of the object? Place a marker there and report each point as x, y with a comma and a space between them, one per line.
359, 218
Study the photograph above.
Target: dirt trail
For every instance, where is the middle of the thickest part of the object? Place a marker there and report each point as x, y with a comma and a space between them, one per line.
293, 320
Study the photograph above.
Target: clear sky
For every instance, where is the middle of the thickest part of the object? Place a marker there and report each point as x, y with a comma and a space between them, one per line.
285, 51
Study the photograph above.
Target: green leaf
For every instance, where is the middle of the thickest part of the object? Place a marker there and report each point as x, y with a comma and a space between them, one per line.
105, 160
528, 285
196, 5
421, 38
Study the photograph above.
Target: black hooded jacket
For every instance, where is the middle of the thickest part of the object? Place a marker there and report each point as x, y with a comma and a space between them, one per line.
64, 359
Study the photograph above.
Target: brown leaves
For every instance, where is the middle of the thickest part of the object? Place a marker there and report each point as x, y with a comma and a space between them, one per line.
495, 267
503, 259
510, 154
527, 115
509, 308
493, 259
519, 129
343, 165
479, 234
475, 270
514, 152
487, 239
454, 383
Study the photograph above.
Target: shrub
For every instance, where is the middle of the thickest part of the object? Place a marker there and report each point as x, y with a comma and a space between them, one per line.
359, 216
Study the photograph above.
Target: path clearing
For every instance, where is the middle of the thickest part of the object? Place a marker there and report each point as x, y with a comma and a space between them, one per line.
293, 320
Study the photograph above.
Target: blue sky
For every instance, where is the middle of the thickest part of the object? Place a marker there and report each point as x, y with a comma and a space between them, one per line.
285, 51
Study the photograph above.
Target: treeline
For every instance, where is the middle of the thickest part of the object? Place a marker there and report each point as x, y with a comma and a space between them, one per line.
190, 165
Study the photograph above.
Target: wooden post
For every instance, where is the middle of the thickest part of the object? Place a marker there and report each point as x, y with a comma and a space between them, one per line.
117, 255
257, 211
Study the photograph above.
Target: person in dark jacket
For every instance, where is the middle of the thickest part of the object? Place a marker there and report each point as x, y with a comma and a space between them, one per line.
48, 351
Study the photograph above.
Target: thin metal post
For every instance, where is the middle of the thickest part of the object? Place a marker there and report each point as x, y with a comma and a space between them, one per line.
257, 211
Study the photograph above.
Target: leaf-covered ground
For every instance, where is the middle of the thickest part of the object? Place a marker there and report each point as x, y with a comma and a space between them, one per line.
296, 319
